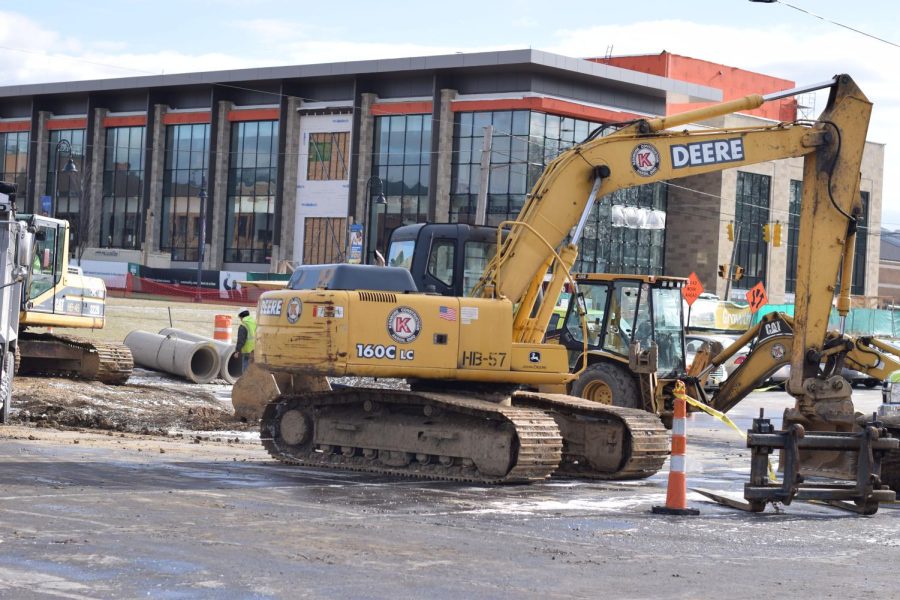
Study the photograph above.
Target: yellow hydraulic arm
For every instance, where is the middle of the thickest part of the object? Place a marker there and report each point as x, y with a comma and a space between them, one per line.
650, 150
773, 339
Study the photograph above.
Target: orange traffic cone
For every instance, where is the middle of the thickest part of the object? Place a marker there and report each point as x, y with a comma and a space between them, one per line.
676, 494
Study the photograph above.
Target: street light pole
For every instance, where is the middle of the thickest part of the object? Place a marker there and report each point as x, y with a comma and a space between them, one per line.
371, 215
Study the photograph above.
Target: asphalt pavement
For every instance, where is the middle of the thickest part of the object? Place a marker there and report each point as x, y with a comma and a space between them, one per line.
91, 515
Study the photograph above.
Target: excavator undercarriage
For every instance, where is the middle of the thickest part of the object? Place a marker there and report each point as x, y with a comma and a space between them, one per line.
72, 356
525, 437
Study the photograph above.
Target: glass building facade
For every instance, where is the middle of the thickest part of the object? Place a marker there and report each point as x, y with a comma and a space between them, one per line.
750, 214
793, 235
184, 178
523, 143
123, 188
858, 286
402, 160
65, 200
252, 179
14, 168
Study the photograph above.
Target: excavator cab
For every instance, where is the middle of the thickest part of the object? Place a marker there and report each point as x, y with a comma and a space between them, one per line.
443, 258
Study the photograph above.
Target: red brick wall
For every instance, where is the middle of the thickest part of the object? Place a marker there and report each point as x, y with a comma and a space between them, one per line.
734, 82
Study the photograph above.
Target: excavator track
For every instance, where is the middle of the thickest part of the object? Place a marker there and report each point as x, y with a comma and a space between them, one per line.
413, 434
603, 441
72, 356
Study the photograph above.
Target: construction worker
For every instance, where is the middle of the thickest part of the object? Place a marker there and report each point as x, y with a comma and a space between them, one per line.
246, 338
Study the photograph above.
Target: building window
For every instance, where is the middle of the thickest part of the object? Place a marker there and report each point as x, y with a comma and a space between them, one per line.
327, 158
184, 176
858, 287
625, 232
402, 160
14, 168
71, 185
252, 177
523, 143
793, 235
510, 176
123, 188
750, 214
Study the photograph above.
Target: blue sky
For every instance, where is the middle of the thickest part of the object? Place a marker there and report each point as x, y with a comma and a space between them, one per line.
62, 41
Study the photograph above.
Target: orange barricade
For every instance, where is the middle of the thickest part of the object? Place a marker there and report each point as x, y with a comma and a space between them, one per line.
222, 331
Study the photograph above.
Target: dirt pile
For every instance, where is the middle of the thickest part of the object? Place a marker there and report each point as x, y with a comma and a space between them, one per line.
149, 403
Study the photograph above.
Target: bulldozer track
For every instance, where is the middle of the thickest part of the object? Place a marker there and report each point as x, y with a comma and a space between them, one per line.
636, 440
535, 451
109, 363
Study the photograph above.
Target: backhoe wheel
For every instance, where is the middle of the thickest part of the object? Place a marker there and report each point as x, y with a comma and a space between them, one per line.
608, 384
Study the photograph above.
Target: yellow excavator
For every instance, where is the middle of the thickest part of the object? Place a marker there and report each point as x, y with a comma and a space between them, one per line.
58, 295
484, 402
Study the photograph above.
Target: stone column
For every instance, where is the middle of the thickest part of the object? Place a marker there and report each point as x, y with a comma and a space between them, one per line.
443, 162
695, 244
41, 146
872, 181
92, 185
364, 159
290, 129
218, 190
157, 159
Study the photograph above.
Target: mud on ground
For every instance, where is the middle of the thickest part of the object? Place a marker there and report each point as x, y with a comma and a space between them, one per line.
150, 403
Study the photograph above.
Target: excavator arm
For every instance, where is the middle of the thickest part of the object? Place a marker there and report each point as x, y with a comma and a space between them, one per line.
772, 341
651, 150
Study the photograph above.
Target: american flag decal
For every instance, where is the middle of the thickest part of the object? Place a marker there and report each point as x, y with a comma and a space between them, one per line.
447, 313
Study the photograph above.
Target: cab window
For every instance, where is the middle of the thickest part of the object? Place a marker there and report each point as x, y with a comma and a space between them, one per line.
441, 261
401, 254
45, 268
476, 258
622, 315
595, 297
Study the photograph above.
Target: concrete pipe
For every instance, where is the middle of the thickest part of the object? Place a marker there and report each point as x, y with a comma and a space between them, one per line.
229, 364
195, 361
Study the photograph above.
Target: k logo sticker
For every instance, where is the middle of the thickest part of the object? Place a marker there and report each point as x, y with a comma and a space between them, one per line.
404, 324
294, 309
645, 160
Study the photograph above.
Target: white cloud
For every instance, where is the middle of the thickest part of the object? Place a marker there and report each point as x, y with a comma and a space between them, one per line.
31, 53
803, 55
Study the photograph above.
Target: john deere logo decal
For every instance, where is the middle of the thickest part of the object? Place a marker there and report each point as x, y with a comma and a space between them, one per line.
645, 160
404, 324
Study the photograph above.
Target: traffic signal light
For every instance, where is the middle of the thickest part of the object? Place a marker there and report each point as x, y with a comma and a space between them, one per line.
766, 233
723, 271
730, 228
776, 234
738, 272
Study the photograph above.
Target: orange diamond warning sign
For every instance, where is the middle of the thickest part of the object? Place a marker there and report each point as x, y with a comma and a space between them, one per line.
692, 290
757, 298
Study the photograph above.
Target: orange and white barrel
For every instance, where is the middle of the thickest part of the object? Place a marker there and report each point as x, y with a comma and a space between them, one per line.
222, 328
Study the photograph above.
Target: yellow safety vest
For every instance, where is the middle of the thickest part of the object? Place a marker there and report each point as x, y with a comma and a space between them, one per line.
250, 323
